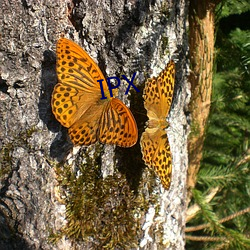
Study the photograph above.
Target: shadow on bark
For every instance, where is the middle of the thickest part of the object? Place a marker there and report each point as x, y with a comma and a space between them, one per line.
130, 159
61, 145
9, 239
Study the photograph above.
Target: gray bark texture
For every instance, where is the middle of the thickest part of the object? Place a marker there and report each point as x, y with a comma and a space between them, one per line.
49, 197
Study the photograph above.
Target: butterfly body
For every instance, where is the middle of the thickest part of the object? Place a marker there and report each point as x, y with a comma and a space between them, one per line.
158, 93
77, 103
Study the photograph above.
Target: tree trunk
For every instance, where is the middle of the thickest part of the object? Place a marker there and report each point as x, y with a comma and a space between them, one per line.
201, 40
54, 195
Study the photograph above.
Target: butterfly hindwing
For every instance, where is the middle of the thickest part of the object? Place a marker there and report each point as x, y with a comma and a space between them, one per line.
85, 130
118, 125
156, 154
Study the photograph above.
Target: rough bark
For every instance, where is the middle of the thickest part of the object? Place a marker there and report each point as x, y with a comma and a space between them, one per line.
201, 41
36, 156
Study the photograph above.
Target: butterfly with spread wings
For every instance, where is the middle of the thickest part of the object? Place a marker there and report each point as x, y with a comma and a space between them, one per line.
77, 105
158, 94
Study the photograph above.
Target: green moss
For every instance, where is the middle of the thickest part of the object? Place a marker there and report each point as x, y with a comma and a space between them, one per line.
5, 160
164, 10
28, 133
105, 212
164, 45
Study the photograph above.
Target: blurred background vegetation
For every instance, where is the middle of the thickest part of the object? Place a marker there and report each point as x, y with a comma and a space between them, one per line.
224, 222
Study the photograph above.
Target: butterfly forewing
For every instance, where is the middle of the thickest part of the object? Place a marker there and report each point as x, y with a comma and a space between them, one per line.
158, 92
166, 87
63, 105
76, 69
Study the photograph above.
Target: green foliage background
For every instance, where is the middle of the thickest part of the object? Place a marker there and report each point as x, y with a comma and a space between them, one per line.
226, 154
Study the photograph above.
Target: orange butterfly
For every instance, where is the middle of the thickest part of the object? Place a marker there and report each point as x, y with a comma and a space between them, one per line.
157, 94
77, 104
